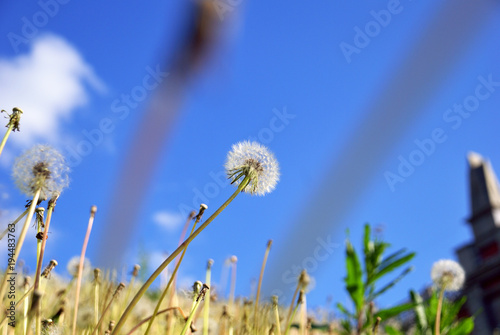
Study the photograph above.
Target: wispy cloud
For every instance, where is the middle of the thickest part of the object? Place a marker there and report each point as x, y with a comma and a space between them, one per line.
48, 84
167, 220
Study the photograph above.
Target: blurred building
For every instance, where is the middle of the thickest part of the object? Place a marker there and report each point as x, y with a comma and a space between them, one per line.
481, 257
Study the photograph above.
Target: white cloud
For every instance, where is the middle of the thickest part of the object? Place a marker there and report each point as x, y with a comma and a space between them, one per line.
48, 84
168, 220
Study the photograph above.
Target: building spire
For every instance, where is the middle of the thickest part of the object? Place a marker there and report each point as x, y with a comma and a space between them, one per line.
484, 187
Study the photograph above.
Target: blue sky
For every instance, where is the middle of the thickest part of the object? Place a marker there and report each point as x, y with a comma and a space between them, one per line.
285, 74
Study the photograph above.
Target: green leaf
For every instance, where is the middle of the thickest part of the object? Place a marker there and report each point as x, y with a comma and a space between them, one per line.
463, 327
392, 283
419, 311
354, 278
387, 260
450, 310
366, 239
368, 251
346, 326
392, 266
431, 310
344, 310
392, 331
388, 313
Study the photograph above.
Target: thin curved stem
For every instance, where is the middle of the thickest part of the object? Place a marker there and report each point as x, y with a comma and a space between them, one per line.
171, 280
172, 256
160, 312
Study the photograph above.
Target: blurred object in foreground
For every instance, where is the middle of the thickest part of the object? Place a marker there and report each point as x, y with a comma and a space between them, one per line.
149, 140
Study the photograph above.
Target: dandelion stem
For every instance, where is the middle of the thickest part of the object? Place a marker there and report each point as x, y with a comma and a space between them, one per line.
206, 308
26, 300
172, 256
437, 325
143, 321
303, 315
232, 288
193, 310
135, 273
290, 310
97, 275
171, 320
118, 289
376, 325
12, 262
171, 281
289, 323
11, 225
50, 210
257, 296
93, 210
6, 136
276, 314
39, 225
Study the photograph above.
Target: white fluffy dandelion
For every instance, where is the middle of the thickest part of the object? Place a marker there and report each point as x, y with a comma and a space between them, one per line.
448, 275
74, 264
254, 160
41, 167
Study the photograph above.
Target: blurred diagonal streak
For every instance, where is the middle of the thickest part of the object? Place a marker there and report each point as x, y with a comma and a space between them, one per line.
138, 167
402, 98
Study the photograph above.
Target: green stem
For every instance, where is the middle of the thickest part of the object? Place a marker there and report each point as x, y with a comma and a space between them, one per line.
289, 323
191, 316
98, 325
160, 312
172, 278
290, 310
12, 262
170, 319
172, 256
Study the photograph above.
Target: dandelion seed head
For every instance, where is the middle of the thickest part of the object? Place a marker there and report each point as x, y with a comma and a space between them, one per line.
254, 159
74, 263
41, 167
448, 275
